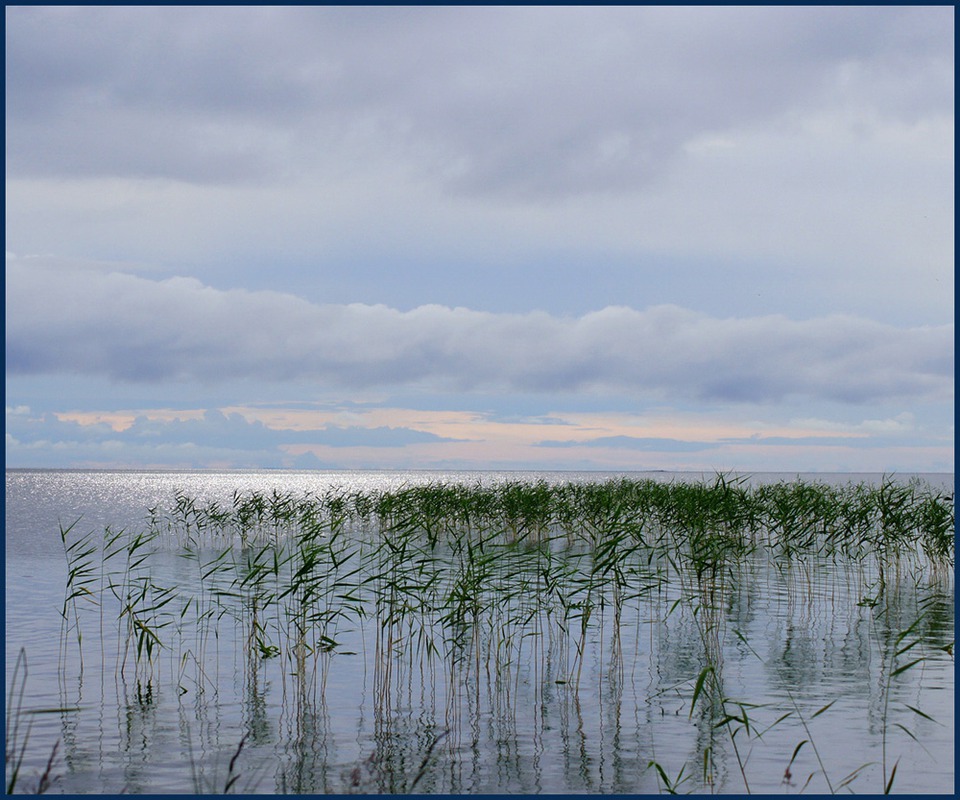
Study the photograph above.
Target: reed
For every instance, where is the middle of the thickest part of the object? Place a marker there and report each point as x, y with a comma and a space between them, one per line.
463, 584
81, 575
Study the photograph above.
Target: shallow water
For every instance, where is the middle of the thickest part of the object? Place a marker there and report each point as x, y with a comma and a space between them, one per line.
529, 717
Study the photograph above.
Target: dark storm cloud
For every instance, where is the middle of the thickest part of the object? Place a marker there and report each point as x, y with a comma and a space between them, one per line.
519, 101
132, 329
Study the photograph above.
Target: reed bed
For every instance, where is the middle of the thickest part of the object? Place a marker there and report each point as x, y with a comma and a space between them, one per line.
473, 594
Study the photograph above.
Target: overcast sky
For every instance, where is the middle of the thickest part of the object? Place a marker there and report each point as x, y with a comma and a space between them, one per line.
480, 237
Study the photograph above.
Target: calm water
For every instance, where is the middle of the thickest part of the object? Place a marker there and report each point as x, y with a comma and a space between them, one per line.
786, 639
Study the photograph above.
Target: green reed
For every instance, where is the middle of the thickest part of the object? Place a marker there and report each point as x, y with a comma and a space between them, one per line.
81, 555
462, 581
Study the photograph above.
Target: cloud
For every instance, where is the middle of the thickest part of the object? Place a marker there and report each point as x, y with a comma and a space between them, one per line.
356, 436
667, 445
401, 438
513, 212
810, 441
132, 329
534, 102
217, 429
215, 437
648, 444
742, 159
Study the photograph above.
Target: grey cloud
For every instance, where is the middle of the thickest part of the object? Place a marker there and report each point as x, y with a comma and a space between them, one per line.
648, 444
132, 329
808, 441
518, 101
30, 429
215, 432
666, 445
871, 441
353, 436
223, 430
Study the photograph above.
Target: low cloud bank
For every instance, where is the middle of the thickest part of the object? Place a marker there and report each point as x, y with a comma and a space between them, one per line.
46, 440
128, 328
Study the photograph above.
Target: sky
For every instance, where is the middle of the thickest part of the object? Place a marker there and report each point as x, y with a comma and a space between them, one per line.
469, 237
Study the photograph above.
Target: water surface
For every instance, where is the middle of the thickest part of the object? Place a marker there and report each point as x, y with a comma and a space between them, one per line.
523, 709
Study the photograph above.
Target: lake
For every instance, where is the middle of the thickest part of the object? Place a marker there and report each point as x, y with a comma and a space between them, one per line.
367, 646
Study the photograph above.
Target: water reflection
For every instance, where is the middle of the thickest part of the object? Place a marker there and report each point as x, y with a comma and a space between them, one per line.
543, 678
